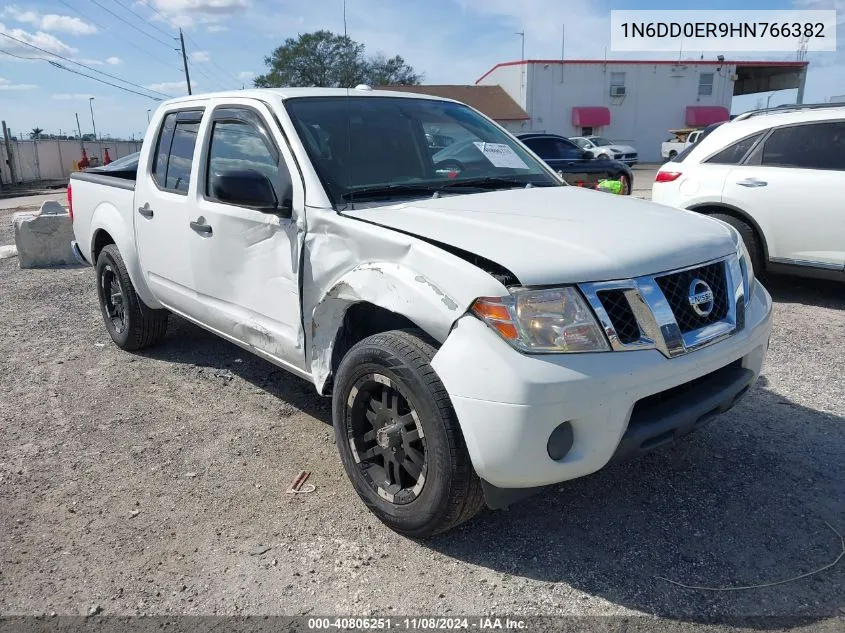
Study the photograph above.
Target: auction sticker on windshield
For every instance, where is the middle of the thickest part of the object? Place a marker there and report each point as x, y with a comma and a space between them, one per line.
501, 155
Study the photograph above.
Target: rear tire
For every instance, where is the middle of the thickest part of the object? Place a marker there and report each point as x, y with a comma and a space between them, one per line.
672, 155
626, 185
749, 236
130, 323
399, 438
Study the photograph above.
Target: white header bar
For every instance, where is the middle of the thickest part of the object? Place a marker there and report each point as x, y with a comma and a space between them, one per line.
722, 31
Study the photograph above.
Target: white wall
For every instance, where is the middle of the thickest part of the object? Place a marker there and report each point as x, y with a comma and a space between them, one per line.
511, 79
53, 160
656, 99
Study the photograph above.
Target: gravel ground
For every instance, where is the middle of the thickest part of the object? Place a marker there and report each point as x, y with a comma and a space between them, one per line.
154, 483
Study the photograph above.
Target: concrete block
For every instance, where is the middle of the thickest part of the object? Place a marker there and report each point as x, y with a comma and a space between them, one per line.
43, 238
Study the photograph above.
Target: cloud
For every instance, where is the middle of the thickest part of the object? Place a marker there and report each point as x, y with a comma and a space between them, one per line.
189, 13
50, 21
246, 75
6, 84
66, 96
200, 56
172, 87
216, 28
114, 61
49, 43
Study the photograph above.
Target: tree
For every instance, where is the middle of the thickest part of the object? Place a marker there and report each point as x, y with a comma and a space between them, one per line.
326, 59
390, 72
36, 133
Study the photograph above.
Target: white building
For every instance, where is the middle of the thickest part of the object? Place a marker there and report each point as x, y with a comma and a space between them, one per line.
633, 102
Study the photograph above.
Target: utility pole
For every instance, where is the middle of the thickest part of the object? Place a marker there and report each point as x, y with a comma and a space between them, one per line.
94, 125
9, 159
79, 129
185, 61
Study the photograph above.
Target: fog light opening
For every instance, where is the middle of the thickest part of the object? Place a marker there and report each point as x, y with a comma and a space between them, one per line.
560, 441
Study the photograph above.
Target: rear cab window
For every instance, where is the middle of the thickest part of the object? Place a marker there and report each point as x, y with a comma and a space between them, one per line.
174, 155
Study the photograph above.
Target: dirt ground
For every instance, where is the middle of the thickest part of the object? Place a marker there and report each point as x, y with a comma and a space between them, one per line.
153, 483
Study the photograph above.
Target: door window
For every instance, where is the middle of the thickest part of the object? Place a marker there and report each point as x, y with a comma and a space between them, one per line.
810, 146
568, 149
545, 148
239, 141
175, 151
733, 154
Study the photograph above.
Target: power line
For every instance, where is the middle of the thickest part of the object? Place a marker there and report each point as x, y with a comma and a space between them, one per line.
152, 37
76, 72
162, 31
211, 61
123, 40
81, 64
225, 74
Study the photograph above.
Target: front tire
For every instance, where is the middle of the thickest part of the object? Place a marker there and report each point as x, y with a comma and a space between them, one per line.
130, 323
749, 236
399, 438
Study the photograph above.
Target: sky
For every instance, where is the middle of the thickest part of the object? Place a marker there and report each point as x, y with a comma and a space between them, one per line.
449, 41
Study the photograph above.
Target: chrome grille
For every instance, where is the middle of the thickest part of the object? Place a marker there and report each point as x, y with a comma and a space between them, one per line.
656, 312
621, 315
676, 289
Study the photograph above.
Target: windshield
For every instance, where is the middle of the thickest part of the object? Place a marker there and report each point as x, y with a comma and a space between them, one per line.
600, 141
582, 143
363, 147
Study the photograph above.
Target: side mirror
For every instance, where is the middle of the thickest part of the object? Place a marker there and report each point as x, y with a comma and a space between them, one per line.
251, 188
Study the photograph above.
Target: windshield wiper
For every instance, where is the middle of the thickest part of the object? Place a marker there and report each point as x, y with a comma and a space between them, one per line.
389, 190
490, 182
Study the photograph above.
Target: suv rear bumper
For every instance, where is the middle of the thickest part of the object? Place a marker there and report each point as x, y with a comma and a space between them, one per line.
509, 403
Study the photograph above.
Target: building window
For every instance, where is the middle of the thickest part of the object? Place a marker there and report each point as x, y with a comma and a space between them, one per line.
617, 79
705, 84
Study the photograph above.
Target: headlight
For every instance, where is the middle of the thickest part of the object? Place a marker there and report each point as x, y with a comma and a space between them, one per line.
552, 320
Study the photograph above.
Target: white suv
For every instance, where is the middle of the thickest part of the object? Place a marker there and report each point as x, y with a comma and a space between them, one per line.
778, 177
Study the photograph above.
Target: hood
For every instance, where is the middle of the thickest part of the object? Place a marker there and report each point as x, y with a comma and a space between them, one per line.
555, 235
623, 149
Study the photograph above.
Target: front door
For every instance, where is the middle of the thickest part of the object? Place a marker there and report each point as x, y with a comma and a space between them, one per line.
163, 199
245, 262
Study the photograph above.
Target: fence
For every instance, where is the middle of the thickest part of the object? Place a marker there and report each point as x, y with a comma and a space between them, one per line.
47, 159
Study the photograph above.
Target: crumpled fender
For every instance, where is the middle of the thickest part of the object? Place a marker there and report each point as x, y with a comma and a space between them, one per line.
107, 217
388, 285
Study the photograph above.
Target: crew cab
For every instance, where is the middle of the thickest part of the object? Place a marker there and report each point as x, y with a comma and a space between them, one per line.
483, 333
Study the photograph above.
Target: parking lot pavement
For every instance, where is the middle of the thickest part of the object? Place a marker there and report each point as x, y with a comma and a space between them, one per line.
154, 483
643, 179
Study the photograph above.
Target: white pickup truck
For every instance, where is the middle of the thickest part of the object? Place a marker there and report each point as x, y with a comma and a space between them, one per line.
484, 329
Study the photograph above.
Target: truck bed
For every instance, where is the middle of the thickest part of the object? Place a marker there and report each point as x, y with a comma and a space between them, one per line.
99, 201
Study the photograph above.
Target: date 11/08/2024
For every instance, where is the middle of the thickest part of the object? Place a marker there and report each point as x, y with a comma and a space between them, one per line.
416, 624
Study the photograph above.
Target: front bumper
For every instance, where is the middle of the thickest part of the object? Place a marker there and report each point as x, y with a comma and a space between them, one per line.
509, 403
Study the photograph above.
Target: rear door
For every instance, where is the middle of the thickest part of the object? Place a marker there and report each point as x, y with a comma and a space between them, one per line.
162, 208
791, 185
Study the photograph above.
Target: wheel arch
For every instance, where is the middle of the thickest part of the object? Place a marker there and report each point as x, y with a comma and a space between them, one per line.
107, 223
739, 214
374, 298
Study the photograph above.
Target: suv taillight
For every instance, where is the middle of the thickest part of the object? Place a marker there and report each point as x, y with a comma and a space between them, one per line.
70, 202
667, 176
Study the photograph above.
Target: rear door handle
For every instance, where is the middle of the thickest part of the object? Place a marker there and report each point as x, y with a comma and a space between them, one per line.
201, 227
752, 182
145, 210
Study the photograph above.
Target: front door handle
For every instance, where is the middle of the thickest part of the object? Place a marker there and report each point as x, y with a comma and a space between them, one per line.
752, 182
201, 227
145, 210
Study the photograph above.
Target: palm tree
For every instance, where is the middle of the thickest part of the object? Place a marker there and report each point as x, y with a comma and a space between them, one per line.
36, 133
